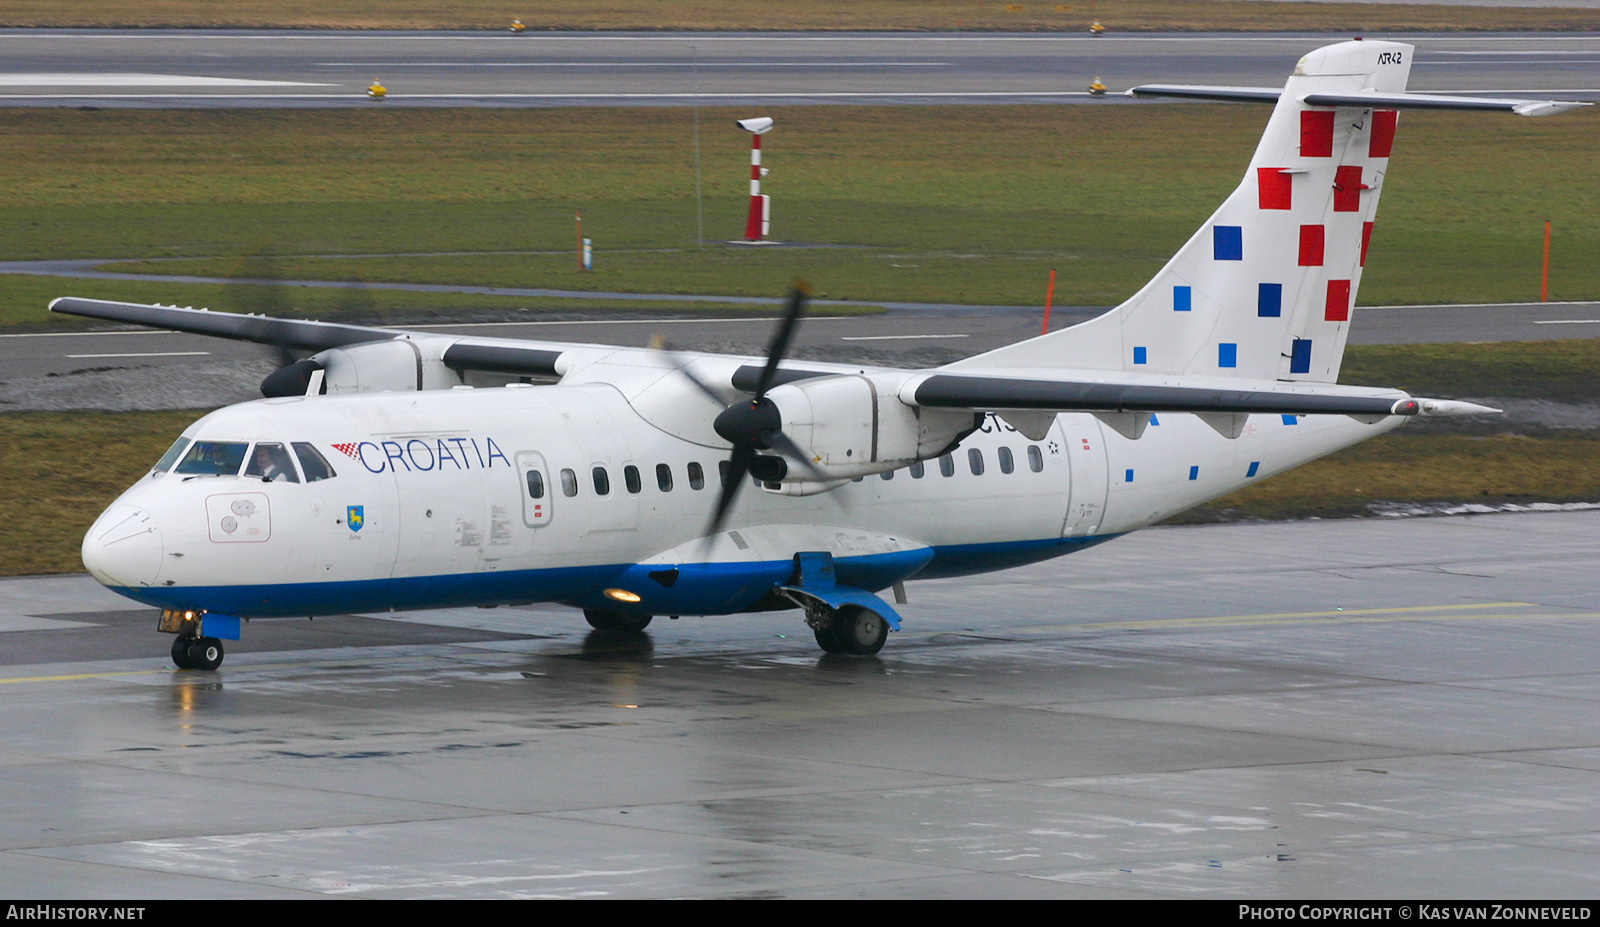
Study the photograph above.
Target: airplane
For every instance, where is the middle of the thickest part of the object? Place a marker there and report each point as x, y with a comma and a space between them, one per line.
372, 477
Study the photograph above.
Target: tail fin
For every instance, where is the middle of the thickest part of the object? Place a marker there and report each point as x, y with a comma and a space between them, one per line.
1264, 289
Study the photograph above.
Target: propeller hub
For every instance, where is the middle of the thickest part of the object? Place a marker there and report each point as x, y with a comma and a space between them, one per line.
747, 424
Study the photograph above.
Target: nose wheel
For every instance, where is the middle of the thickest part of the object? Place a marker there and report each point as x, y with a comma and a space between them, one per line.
197, 653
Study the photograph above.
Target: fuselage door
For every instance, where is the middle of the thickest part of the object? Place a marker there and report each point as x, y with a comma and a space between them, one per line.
1086, 453
537, 495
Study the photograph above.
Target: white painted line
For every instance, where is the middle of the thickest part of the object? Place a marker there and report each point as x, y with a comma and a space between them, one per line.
1567, 322
152, 354
895, 337
49, 79
685, 65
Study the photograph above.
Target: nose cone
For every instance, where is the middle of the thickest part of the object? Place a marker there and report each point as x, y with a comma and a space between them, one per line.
123, 548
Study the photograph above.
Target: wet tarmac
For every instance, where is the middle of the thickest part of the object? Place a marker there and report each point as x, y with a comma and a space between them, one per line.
1399, 708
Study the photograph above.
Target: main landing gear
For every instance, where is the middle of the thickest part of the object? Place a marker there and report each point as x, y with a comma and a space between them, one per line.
616, 621
198, 653
850, 629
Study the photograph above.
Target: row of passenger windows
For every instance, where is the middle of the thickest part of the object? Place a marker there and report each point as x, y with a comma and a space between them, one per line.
267, 460
633, 482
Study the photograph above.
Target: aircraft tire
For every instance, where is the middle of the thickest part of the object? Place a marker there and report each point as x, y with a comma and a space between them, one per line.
180, 653
205, 653
616, 621
860, 631
828, 640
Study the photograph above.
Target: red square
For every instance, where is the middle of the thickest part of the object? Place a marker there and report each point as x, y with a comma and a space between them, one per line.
1311, 239
1316, 133
1275, 187
1338, 308
1382, 143
1347, 189
1366, 239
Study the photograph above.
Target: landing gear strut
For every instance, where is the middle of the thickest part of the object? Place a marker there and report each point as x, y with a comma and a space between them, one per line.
850, 629
616, 621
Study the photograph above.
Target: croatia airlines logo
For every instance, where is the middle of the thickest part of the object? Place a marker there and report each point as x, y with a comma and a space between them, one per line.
425, 454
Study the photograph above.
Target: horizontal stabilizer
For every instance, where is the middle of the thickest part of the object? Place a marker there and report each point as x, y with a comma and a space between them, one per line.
1362, 99
989, 393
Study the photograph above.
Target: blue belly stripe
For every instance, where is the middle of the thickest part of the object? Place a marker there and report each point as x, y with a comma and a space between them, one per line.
702, 588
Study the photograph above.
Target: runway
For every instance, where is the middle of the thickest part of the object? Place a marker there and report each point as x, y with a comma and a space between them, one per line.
199, 68
1402, 709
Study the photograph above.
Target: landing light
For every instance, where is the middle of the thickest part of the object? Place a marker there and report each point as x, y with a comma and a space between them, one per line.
621, 595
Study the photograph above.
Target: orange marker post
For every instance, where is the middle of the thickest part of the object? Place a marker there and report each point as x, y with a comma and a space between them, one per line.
1049, 294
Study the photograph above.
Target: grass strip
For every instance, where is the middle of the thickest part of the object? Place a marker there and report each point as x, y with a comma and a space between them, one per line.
970, 204
824, 15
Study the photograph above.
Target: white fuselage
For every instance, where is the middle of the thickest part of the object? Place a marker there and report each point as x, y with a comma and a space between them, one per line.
431, 505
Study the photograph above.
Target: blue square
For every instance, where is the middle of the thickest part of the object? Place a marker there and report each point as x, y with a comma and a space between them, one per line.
1300, 360
1182, 300
1127, 477
1269, 300
1194, 473
1291, 419
1139, 355
1227, 242
1255, 465
1227, 354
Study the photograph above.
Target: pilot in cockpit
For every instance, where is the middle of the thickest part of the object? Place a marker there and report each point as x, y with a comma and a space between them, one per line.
271, 462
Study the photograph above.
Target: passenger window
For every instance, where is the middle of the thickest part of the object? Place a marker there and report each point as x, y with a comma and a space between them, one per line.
664, 477
722, 471
213, 458
602, 482
1035, 458
312, 462
947, 465
271, 463
535, 484
630, 479
569, 483
975, 461
1006, 463
697, 477
171, 456
917, 470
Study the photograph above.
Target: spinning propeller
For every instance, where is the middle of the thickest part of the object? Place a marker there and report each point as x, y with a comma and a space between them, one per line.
757, 425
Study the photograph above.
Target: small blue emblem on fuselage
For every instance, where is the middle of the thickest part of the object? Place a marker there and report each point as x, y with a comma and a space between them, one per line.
355, 517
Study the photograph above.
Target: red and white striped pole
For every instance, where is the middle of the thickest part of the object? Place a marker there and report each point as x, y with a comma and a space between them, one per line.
759, 222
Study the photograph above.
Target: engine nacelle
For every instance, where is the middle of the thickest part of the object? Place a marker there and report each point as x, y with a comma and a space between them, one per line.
398, 365
856, 425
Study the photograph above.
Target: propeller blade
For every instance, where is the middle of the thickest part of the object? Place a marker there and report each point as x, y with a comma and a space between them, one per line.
784, 336
681, 366
738, 469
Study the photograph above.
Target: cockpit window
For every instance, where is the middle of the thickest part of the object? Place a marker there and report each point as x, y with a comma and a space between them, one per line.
313, 463
171, 456
213, 458
271, 463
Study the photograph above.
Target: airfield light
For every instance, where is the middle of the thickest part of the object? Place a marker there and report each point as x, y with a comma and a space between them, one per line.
759, 223
622, 595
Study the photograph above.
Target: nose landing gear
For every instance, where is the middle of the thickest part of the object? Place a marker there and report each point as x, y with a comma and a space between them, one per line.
191, 649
